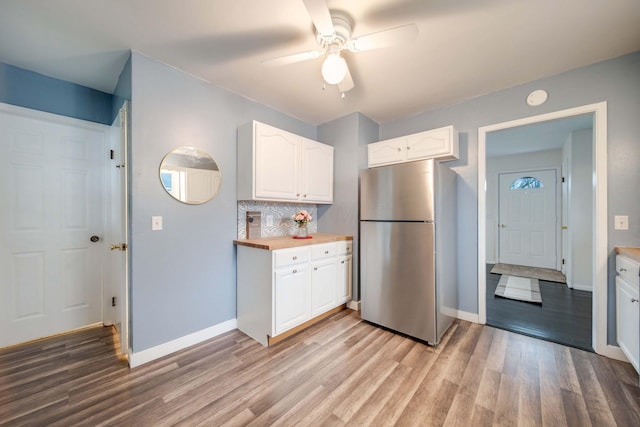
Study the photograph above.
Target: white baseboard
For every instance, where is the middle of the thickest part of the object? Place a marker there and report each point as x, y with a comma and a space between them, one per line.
465, 315
613, 352
581, 287
153, 353
354, 305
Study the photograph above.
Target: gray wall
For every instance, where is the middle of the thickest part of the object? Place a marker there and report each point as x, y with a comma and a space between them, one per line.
183, 279
580, 215
349, 136
616, 81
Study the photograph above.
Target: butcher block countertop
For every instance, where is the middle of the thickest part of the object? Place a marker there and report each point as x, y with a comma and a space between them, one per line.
283, 242
633, 253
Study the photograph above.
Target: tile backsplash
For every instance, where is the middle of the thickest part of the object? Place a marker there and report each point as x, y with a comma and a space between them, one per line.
276, 217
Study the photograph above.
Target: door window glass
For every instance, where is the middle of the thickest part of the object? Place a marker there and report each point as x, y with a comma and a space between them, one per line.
526, 182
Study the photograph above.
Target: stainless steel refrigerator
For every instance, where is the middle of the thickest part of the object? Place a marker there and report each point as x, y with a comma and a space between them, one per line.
408, 248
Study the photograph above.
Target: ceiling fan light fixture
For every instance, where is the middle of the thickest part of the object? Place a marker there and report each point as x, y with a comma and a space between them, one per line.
334, 68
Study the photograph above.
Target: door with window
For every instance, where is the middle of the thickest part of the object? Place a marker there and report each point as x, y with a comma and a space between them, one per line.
527, 218
51, 225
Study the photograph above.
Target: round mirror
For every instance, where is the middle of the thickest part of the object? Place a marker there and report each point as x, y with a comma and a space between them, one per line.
190, 175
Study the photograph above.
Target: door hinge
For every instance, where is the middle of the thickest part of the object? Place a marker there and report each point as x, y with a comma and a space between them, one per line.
112, 154
562, 261
113, 301
563, 179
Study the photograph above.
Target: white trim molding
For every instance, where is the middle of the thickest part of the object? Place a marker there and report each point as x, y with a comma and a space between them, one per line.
600, 285
465, 315
354, 305
153, 353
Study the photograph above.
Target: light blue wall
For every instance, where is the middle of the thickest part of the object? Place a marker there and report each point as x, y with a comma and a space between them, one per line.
616, 81
349, 136
122, 92
183, 279
28, 89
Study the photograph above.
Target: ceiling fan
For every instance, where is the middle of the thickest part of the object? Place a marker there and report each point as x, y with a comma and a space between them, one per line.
333, 34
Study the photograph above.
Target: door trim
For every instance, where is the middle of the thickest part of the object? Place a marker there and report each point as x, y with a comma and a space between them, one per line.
600, 283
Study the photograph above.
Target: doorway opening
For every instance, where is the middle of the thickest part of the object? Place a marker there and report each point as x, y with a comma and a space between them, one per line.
551, 243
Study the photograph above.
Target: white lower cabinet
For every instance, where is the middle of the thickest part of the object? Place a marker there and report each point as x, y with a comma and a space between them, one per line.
628, 308
281, 289
290, 297
344, 282
323, 285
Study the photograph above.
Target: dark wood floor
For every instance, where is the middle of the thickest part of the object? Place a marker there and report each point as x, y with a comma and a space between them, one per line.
342, 371
564, 316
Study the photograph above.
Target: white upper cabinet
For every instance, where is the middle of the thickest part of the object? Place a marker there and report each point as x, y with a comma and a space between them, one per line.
276, 165
440, 144
316, 172
386, 152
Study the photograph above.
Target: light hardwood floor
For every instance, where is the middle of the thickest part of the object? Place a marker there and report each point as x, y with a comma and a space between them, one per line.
342, 371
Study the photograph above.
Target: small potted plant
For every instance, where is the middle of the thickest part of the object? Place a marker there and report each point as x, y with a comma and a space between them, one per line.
302, 218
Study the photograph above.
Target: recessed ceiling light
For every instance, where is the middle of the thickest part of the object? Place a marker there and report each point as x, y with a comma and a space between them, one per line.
537, 97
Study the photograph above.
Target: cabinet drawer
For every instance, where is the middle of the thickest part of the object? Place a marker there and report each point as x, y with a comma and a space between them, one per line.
345, 247
323, 250
628, 270
283, 257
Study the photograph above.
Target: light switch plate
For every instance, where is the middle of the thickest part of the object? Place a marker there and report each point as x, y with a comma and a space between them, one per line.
156, 223
621, 222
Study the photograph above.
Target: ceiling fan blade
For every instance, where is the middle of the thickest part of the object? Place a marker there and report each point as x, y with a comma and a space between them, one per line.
391, 37
320, 15
347, 83
291, 59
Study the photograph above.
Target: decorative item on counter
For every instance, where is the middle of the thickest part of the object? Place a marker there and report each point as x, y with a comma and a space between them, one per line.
302, 218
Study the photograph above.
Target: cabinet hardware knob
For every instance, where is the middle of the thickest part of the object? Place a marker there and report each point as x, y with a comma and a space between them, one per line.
326, 252
294, 271
399, 149
294, 258
315, 268
634, 300
622, 269
408, 147
341, 262
298, 195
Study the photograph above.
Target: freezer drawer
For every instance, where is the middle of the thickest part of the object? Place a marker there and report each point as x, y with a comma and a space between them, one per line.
398, 277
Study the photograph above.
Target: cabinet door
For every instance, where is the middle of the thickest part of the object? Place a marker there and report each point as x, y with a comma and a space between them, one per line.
628, 320
277, 163
291, 297
317, 172
323, 286
433, 144
344, 279
386, 152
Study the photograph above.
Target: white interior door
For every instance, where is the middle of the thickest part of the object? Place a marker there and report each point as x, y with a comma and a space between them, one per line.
50, 207
117, 230
527, 218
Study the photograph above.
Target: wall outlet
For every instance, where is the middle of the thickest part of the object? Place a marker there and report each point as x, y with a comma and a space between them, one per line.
621, 222
269, 222
156, 223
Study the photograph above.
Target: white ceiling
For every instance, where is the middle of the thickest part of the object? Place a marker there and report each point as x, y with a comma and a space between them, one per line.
466, 48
